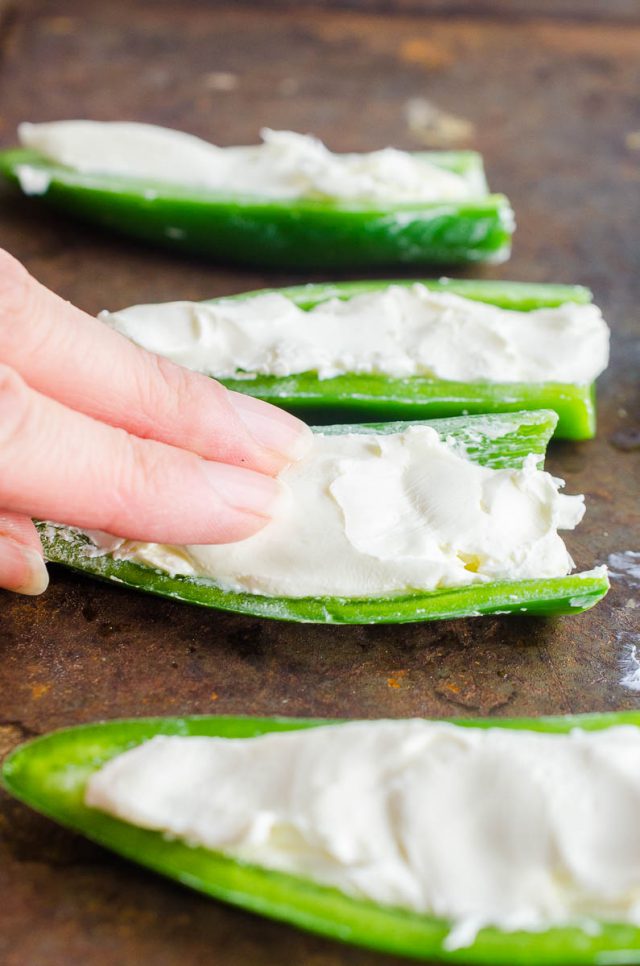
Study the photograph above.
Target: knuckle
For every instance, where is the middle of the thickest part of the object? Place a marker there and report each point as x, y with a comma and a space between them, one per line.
14, 407
178, 406
159, 387
19, 527
169, 393
140, 469
172, 380
136, 484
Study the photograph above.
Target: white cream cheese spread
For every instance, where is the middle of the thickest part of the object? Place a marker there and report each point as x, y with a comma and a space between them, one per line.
285, 165
369, 515
515, 829
399, 331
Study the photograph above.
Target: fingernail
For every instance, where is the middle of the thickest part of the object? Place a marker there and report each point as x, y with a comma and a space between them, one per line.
37, 575
272, 427
245, 490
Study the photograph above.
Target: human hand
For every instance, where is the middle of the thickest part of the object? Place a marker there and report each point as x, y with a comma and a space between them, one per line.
97, 433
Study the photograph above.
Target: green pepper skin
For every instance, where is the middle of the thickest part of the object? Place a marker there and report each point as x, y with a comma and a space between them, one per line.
371, 397
364, 397
50, 775
501, 440
294, 234
519, 296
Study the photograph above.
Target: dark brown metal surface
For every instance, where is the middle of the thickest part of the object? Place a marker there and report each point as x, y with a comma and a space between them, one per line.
554, 107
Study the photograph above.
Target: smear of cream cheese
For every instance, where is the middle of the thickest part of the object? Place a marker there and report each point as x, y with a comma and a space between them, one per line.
374, 514
400, 331
285, 165
480, 827
33, 180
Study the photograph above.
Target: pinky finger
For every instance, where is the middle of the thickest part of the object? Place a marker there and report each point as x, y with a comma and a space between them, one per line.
22, 567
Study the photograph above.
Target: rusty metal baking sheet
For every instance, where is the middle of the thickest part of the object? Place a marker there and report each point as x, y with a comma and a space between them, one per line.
553, 105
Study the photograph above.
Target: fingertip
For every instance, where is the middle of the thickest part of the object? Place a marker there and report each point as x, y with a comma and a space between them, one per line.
244, 490
238, 525
171, 497
302, 443
240, 504
22, 569
273, 428
37, 579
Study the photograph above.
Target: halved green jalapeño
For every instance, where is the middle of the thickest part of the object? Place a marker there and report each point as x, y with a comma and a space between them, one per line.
369, 396
51, 773
498, 440
282, 233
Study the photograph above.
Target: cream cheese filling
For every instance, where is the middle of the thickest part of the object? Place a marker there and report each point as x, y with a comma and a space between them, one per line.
285, 165
515, 829
369, 515
400, 331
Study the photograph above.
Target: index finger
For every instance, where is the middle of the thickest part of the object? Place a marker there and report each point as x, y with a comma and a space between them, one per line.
73, 358
60, 465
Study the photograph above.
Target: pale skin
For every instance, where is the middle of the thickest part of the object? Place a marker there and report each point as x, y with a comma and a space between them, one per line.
100, 434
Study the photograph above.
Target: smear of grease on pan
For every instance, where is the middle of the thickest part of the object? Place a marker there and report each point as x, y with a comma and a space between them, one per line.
625, 567
629, 659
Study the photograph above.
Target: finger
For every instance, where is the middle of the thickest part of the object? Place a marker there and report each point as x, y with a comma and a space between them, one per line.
22, 568
60, 465
20, 528
68, 355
